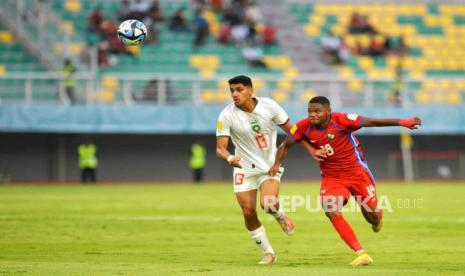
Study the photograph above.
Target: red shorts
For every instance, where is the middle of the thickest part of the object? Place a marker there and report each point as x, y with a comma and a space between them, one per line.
358, 183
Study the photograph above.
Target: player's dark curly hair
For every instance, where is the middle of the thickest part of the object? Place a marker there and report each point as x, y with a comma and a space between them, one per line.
246, 81
320, 100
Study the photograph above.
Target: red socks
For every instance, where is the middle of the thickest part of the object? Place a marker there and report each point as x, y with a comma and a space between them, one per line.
346, 233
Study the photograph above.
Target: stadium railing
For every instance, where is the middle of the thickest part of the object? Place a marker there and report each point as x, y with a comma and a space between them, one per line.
190, 89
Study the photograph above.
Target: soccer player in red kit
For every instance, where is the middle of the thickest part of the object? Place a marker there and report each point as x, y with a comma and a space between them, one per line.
344, 169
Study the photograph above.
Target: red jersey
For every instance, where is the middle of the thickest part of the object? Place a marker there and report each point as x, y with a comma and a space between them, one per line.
343, 149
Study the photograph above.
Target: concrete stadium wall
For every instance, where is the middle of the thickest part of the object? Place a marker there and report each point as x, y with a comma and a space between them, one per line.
52, 157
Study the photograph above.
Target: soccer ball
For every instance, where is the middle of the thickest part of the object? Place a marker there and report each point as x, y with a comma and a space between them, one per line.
132, 32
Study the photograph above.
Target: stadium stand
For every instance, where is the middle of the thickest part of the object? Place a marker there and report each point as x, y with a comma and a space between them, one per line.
174, 52
15, 58
432, 33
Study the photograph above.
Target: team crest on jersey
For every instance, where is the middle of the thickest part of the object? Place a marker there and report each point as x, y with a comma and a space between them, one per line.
256, 127
331, 136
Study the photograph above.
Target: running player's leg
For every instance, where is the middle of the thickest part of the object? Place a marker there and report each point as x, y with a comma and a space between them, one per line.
333, 197
269, 201
246, 194
364, 192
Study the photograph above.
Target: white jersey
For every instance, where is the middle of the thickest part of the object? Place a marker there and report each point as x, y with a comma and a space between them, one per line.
253, 133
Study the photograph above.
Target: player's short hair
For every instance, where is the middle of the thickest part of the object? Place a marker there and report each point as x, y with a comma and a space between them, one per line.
246, 81
320, 100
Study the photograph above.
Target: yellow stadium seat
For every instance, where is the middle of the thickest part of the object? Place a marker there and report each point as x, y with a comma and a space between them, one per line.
291, 72
207, 95
221, 96
447, 9
67, 26
312, 30
2, 69
338, 30
105, 96
345, 71
224, 85
258, 83
6, 37
355, 85
392, 61
444, 84
75, 49
207, 73
109, 83
423, 97
285, 84
73, 6
277, 61
416, 73
429, 84
453, 97
365, 62
204, 61
280, 96
307, 95
317, 19
460, 84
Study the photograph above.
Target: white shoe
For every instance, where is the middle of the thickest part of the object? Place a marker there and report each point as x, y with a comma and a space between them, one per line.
268, 258
286, 224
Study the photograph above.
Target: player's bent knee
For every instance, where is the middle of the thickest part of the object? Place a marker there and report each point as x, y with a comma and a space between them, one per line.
332, 215
249, 212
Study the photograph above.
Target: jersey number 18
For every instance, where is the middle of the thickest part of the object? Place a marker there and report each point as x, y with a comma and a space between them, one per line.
329, 150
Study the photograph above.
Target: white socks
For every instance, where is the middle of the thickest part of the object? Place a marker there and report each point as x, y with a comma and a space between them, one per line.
260, 238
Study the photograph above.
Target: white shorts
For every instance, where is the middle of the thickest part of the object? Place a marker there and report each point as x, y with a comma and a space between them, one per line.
243, 181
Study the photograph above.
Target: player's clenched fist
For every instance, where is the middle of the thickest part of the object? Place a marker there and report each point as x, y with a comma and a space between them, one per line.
319, 155
234, 161
273, 170
411, 123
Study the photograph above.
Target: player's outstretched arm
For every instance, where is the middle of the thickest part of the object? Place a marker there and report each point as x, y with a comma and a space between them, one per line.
223, 153
412, 122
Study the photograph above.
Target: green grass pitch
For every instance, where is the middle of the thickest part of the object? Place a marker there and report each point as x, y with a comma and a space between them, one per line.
185, 229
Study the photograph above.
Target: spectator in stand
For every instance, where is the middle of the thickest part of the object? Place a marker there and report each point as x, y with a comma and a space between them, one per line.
376, 46
252, 32
359, 24
397, 85
155, 12
330, 44
95, 19
198, 6
239, 33
178, 22
252, 13
359, 49
224, 34
253, 55
108, 30
343, 53
269, 35
201, 30
123, 12
154, 16
138, 9
102, 54
216, 5
231, 17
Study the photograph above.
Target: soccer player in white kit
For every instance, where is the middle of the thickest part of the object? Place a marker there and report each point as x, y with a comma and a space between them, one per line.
251, 124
